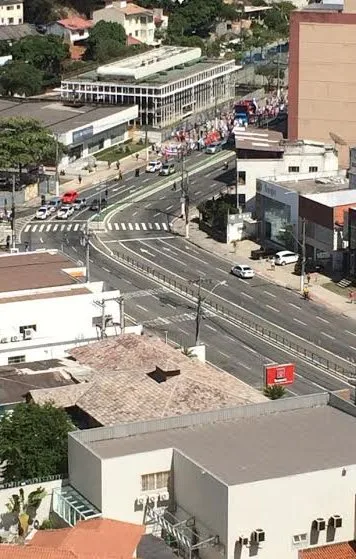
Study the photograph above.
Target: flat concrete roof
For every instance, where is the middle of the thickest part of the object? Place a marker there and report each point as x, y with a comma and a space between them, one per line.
334, 199
312, 186
250, 449
34, 270
256, 139
56, 116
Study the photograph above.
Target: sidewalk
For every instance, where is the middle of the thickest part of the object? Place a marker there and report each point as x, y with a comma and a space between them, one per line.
281, 275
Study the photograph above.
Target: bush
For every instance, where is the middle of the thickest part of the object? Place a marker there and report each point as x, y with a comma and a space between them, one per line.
274, 392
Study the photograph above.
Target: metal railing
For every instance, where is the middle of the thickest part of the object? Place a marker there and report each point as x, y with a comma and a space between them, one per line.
33, 481
287, 341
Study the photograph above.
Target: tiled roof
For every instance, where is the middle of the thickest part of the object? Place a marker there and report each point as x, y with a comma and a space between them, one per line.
132, 9
346, 550
33, 552
74, 23
133, 41
122, 391
97, 538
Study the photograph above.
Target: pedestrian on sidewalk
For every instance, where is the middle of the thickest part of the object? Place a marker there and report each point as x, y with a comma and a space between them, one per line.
137, 156
308, 278
118, 165
109, 164
80, 179
120, 175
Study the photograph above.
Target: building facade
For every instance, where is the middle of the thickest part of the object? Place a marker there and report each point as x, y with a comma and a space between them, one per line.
72, 30
11, 12
137, 22
169, 85
322, 53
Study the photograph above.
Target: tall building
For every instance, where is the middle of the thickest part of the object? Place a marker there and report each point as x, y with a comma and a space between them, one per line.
322, 76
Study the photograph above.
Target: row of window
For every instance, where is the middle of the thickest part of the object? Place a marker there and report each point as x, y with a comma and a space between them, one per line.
10, 21
312, 169
18, 7
151, 482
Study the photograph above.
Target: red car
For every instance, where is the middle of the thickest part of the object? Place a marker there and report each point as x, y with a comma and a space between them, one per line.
69, 197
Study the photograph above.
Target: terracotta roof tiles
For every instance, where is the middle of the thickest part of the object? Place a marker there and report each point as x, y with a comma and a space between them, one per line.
346, 550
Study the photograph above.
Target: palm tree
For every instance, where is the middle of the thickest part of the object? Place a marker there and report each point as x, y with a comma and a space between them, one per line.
274, 392
188, 352
23, 510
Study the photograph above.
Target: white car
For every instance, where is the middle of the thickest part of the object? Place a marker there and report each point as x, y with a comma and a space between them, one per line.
215, 147
153, 166
42, 213
285, 257
65, 212
53, 205
242, 271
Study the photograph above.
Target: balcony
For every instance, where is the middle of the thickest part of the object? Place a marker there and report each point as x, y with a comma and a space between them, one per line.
71, 506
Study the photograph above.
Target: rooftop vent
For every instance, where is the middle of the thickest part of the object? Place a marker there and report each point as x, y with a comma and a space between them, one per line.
163, 373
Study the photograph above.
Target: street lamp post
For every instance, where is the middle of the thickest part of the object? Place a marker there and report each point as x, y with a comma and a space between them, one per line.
303, 247
200, 303
185, 193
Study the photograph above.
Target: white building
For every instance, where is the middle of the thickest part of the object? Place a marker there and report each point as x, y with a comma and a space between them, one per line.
137, 22
260, 480
71, 29
170, 84
263, 153
11, 12
46, 310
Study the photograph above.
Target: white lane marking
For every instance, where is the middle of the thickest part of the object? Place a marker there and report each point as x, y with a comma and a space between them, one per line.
170, 305
55, 227
137, 226
300, 321
270, 294
211, 327
130, 226
322, 319
224, 354
245, 366
155, 297
116, 225
63, 227
295, 306
144, 226
27, 228
352, 333
142, 308
90, 260
352, 347
41, 240
107, 270
197, 192
221, 270
69, 227
230, 338
135, 213
75, 250
76, 227
184, 332
41, 228
147, 206
250, 349
123, 226
273, 308
48, 228
145, 180
156, 214
157, 226
165, 226
246, 295
115, 189
150, 226
169, 208
327, 335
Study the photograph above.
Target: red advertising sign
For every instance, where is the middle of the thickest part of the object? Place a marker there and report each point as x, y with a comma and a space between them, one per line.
279, 374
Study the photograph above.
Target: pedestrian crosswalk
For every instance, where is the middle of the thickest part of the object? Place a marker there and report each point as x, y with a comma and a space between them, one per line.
176, 319
53, 227
154, 226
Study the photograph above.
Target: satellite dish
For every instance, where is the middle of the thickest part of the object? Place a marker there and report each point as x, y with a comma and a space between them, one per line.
337, 139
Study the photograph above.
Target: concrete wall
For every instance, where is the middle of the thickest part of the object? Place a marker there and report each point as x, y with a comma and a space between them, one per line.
85, 472
287, 506
200, 494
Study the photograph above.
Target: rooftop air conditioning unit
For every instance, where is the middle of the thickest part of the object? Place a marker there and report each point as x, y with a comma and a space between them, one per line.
335, 521
28, 333
319, 524
4, 340
243, 540
164, 497
141, 500
258, 536
14, 339
152, 500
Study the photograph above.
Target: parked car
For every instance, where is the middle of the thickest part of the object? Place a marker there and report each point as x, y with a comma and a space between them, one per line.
285, 257
79, 204
65, 212
242, 271
70, 197
54, 205
215, 147
98, 205
42, 213
261, 253
153, 166
167, 169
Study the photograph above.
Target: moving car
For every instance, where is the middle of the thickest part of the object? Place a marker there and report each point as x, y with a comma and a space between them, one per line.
167, 169
65, 212
153, 166
42, 213
54, 205
70, 197
215, 147
285, 257
98, 205
242, 271
79, 204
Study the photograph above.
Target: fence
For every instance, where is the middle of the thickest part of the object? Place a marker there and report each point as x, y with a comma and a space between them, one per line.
300, 347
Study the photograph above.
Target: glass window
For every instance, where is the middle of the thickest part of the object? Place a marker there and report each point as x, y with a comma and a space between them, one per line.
277, 220
313, 169
16, 359
151, 482
293, 169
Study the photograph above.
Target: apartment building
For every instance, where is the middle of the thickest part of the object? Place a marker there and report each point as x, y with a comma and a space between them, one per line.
11, 12
137, 22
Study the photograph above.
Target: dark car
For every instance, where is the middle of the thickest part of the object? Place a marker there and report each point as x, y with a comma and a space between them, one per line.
262, 253
311, 266
98, 205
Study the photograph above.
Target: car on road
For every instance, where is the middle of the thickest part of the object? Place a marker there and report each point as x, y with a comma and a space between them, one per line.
98, 205
54, 205
242, 271
79, 204
215, 147
262, 252
285, 257
65, 212
42, 213
69, 197
167, 169
153, 166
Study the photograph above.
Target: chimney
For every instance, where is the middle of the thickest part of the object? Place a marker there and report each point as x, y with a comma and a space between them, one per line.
164, 372
123, 4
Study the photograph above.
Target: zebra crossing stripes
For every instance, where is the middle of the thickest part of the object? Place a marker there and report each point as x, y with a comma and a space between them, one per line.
138, 226
53, 227
176, 319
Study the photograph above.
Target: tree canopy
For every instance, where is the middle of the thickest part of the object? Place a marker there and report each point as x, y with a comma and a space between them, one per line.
271, 73
20, 78
33, 441
277, 19
24, 141
106, 40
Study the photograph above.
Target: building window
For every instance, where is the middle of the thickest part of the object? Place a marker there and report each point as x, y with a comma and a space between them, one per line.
151, 482
9, 7
313, 169
293, 169
18, 6
10, 20
16, 359
300, 540
23, 328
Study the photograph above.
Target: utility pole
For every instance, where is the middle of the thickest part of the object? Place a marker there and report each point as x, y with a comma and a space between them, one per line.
57, 162
85, 242
185, 193
198, 315
13, 230
302, 274
122, 315
102, 305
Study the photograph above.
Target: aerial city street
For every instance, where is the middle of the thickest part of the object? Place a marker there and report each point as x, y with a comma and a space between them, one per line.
178, 279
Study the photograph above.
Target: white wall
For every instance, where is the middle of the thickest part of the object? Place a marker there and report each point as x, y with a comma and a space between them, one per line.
85, 472
121, 483
287, 506
11, 10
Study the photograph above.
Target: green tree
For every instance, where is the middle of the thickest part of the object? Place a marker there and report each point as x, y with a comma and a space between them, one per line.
19, 78
274, 392
5, 48
33, 441
270, 73
39, 11
106, 40
277, 18
46, 53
